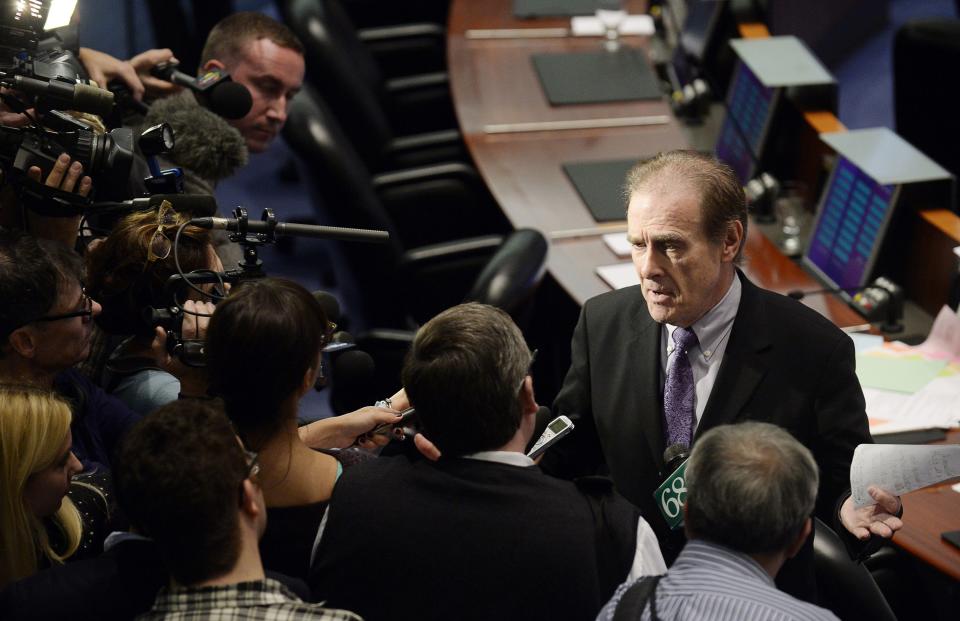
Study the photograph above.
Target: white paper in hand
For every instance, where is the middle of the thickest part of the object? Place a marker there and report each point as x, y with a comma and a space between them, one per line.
898, 468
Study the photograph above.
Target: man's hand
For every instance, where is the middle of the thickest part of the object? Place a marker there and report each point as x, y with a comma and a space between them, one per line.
64, 176
135, 73
193, 380
349, 429
144, 62
879, 519
103, 67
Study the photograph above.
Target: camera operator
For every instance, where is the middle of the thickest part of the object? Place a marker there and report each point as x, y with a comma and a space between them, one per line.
128, 272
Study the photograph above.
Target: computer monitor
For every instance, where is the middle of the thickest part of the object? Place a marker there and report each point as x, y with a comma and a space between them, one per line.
750, 109
852, 219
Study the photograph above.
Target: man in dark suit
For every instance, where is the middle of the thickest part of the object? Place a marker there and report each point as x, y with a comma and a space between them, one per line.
481, 533
697, 345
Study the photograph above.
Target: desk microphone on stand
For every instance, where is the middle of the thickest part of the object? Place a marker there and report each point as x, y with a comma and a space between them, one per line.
881, 300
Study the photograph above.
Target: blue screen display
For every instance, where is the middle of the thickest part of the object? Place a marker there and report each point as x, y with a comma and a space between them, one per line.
749, 106
847, 235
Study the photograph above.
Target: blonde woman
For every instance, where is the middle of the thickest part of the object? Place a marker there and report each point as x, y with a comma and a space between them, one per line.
39, 525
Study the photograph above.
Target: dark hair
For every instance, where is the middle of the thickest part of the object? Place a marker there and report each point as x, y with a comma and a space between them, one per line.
463, 374
722, 199
260, 343
33, 273
178, 475
750, 487
123, 279
231, 34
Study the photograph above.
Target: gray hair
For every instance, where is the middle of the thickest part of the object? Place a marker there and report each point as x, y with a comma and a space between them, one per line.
750, 487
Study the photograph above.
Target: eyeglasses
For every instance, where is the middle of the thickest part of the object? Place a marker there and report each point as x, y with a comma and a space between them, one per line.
159, 247
533, 358
87, 310
253, 465
253, 469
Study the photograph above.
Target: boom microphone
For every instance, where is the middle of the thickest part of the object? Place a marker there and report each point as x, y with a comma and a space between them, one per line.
215, 88
294, 229
65, 95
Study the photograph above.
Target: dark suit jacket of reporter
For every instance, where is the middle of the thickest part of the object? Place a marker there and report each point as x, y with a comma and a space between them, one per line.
784, 364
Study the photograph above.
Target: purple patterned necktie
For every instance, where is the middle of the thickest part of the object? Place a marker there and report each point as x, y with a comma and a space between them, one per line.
678, 389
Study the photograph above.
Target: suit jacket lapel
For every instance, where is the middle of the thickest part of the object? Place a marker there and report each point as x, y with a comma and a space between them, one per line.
648, 420
743, 364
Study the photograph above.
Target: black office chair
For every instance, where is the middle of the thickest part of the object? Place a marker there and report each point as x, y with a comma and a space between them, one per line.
926, 92
434, 257
844, 586
371, 13
392, 123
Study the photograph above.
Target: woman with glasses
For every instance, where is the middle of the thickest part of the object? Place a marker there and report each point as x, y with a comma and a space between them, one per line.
263, 355
128, 273
40, 524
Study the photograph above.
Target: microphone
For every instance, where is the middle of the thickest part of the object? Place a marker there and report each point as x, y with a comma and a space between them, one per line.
293, 229
672, 493
65, 95
352, 375
329, 304
205, 145
197, 204
882, 299
217, 91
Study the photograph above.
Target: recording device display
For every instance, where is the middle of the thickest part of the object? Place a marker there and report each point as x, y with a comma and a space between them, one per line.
852, 217
555, 431
750, 107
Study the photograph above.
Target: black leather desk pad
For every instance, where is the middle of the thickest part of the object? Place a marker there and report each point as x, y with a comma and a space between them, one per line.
596, 77
600, 185
526, 9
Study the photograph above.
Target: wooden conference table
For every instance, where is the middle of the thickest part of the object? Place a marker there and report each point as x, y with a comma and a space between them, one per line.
495, 86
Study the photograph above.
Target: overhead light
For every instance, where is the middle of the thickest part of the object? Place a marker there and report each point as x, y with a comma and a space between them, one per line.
60, 14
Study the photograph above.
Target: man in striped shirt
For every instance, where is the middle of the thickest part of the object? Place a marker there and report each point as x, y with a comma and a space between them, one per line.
751, 489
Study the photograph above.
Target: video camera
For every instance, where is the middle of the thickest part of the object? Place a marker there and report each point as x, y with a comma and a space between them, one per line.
37, 73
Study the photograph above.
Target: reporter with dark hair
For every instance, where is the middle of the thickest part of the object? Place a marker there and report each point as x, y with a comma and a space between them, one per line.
187, 482
481, 533
263, 355
46, 324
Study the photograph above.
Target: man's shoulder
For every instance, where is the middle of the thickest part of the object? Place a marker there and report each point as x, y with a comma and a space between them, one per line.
617, 301
788, 317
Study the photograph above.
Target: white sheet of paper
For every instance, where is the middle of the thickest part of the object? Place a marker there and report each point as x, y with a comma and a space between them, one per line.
617, 242
590, 26
863, 341
944, 336
898, 468
619, 275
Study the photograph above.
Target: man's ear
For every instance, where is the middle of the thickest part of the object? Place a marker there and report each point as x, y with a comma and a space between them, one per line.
732, 241
213, 63
23, 341
528, 402
248, 504
801, 538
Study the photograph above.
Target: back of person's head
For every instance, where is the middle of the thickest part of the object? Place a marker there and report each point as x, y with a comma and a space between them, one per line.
129, 270
231, 35
463, 374
32, 274
262, 342
33, 428
179, 478
750, 487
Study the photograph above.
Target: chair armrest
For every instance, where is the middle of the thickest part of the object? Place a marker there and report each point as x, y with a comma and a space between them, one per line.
401, 31
439, 276
399, 86
423, 150
445, 170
